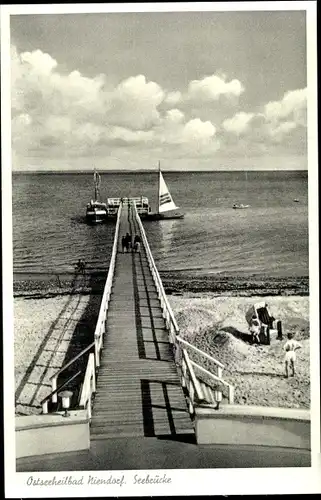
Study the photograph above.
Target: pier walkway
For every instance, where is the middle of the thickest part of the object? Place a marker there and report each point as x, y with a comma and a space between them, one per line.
138, 391
138, 377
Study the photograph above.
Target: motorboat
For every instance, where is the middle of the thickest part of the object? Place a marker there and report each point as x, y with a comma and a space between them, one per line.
96, 210
240, 206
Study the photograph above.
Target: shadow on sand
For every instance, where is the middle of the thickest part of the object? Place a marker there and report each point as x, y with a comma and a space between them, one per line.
245, 337
35, 361
82, 336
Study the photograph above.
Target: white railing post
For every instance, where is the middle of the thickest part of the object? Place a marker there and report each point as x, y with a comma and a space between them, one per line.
54, 397
191, 397
231, 394
45, 408
184, 373
93, 373
97, 351
89, 407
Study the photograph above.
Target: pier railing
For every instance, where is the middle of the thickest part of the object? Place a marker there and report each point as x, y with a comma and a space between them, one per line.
200, 389
101, 322
88, 386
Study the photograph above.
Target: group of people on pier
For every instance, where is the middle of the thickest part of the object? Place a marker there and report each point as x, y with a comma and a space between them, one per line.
128, 245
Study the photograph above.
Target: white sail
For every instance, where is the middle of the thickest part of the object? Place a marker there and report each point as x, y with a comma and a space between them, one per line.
165, 200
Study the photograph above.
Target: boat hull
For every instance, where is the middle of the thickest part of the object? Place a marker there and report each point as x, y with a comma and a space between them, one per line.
162, 216
96, 217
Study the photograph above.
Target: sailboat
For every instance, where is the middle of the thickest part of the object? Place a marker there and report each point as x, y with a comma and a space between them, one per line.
96, 211
167, 209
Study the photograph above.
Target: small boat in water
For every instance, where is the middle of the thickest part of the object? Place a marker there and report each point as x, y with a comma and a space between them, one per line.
167, 208
240, 206
96, 210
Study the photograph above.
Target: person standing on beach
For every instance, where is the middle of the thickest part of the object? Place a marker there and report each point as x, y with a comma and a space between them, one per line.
290, 347
82, 266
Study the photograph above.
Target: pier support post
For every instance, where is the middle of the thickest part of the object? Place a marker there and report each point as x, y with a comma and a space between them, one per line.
279, 329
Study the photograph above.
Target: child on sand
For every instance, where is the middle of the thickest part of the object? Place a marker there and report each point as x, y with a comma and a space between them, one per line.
255, 330
290, 356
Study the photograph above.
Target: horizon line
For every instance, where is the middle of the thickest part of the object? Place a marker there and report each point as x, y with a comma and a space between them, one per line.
118, 171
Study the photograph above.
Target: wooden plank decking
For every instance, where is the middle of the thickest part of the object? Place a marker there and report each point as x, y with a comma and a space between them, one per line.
138, 388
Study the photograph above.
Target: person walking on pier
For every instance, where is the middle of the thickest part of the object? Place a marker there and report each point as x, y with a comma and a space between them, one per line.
137, 241
128, 242
123, 244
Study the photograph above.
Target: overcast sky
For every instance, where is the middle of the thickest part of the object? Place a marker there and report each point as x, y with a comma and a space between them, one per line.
195, 90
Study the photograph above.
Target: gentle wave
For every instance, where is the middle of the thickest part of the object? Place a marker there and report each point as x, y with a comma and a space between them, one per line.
270, 237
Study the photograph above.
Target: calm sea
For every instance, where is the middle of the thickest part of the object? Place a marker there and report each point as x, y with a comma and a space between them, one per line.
269, 238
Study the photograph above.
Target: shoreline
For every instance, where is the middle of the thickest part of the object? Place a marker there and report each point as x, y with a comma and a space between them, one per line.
49, 285
235, 285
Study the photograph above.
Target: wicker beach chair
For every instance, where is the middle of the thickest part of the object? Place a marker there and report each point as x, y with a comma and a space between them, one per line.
269, 325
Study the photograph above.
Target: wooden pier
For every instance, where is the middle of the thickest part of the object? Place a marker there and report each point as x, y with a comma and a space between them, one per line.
141, 379
138, 391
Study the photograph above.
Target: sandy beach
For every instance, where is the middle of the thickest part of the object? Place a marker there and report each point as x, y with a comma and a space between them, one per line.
48, 323
47, 333
217, 325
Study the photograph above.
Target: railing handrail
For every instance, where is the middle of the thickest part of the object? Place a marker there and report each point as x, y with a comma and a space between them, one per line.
60, 387
79, 355
199, 351
110, 270
179, 341
90, 372
210, 374
151, 258
101, 310
222, 381
195, 382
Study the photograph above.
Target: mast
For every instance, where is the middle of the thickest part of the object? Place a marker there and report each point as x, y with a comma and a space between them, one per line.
158, 186
96, 182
